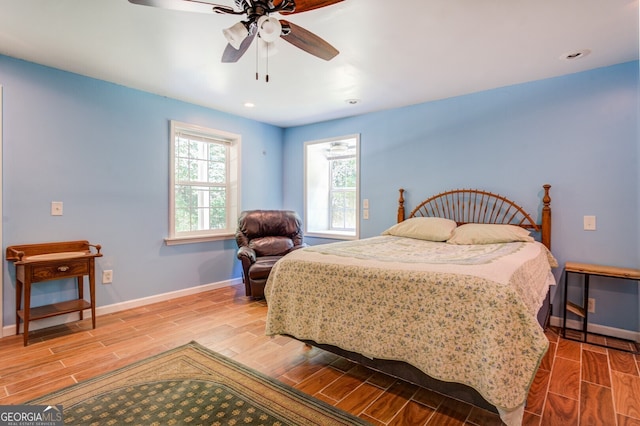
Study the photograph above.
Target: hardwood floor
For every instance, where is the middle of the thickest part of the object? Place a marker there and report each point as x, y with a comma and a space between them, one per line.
577, 384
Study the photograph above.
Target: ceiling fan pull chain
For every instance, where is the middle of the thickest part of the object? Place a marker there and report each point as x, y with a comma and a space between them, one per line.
257, 44
266, 78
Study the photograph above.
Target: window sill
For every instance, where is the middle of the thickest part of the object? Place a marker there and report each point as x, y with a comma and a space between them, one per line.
332, 235
197, 239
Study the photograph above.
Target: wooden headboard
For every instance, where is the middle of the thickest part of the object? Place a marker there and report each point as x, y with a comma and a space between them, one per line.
476, 206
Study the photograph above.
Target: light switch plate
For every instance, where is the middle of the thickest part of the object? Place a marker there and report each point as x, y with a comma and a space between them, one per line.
56, 208
589, 223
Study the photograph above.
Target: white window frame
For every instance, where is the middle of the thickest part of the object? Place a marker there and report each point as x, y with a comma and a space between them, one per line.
233, 141
316, 193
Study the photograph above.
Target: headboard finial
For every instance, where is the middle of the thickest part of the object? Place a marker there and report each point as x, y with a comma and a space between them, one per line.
546, 199
401, 206
546, 217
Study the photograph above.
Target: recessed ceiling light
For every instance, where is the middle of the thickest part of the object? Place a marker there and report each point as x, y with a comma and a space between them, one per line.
352, 101
575, 55
249, 104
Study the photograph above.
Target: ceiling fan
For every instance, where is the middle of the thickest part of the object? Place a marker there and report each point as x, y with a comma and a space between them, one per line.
258, 21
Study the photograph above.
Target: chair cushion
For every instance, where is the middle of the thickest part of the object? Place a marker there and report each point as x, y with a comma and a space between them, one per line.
262, 267
271, 245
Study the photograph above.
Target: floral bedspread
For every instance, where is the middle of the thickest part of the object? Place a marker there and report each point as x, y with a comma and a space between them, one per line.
459, 313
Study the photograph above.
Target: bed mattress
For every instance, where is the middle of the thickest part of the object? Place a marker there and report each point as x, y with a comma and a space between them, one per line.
459, 313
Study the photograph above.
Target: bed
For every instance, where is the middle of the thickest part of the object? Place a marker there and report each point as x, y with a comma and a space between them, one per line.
454, 297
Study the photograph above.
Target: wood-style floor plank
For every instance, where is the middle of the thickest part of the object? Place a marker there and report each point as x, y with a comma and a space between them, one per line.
596, 405
624, 362
595, 368
626, 389
565, 378
577, 383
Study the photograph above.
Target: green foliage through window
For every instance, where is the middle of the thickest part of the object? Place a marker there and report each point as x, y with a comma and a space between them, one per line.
343, 194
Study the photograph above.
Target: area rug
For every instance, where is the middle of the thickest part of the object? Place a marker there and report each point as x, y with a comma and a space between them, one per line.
190, 385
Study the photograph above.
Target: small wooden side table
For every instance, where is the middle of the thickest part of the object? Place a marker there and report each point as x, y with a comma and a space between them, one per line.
52, 261
587, 270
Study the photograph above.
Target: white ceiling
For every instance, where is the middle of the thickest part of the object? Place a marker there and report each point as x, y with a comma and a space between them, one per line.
392, 53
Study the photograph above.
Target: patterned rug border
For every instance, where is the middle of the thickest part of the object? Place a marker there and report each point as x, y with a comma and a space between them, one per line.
190, 362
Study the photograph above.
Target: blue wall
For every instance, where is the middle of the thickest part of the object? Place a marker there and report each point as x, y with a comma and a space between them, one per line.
579, 133
103, 150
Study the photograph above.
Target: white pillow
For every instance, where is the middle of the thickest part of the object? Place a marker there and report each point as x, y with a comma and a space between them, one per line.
481, 233
423, 228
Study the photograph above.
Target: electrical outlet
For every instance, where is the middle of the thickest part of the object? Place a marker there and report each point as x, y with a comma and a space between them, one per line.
592, 306
365, 214
107, 276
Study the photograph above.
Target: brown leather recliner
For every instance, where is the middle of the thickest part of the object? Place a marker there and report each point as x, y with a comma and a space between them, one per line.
263, 237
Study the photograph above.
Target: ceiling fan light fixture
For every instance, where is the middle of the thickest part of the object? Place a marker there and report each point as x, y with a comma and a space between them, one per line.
236, 34
338, 147
266, 49
269, 28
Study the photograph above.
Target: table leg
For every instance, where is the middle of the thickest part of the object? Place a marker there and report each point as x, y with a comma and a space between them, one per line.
80, 292
18, 304
92, 291
26, 311
566, 300
586, 306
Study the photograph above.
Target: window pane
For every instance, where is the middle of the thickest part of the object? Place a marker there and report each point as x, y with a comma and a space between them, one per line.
350, 219
184, 208
218, 208
200, 208
195, 149
217, 172
199, 171
337, 200
182, 169
217, 197
217, 218
337, 219
217, 152
343, 173
350, 200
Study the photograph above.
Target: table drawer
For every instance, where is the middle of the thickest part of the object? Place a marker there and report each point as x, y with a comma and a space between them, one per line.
69, 268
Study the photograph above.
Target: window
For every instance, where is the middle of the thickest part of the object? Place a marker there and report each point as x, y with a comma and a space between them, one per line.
204, 189
332, 187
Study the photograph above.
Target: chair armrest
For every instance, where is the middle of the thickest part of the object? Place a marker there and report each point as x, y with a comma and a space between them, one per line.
246, 253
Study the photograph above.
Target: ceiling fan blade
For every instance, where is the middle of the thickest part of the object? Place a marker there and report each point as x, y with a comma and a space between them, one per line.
305, 5
186, 5
230, 54
307, 41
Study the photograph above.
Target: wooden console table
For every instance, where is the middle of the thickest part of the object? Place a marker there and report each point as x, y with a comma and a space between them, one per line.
582, 310
53, 261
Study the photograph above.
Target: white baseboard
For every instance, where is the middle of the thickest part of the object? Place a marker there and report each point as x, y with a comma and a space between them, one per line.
117, 307
634, 336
